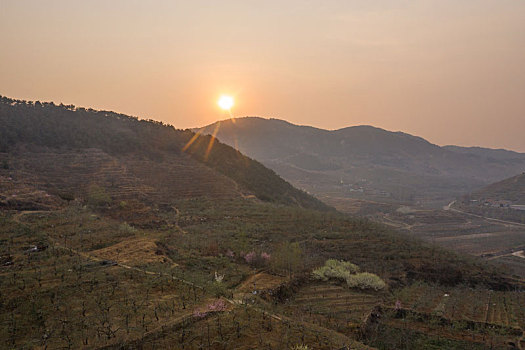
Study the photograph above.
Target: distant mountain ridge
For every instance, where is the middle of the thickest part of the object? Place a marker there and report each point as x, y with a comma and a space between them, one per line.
365, 160
498, 153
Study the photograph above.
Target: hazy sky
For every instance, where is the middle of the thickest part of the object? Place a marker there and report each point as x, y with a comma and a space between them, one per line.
451, 71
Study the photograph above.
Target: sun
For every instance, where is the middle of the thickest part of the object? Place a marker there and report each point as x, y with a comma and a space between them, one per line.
225, 102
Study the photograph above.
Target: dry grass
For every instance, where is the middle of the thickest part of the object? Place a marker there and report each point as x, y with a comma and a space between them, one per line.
133, 251
261, 281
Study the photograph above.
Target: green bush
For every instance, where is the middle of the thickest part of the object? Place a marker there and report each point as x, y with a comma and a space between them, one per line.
125, 227
300, 347
97, 196
335, 269
365, 280
218, 289
348, 272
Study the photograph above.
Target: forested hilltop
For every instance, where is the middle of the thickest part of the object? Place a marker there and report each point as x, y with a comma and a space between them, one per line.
68, 127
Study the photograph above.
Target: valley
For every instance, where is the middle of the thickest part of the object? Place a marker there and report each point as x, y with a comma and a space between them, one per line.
467, 233
155, 302
367, 163
399, 180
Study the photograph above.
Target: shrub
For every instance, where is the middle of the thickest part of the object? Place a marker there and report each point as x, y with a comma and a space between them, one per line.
365, 280
335, 269
250, 257
254, 259
97, 196
217, 305
125, 227
218, 289
300, 347
265, 257
348, 272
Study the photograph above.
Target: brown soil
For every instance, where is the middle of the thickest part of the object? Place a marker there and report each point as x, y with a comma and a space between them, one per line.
261, 281
135, 251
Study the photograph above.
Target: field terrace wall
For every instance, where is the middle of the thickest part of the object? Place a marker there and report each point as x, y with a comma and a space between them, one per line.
71, 172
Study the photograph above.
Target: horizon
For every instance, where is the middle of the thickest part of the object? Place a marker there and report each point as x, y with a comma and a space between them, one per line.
354, 126
448, 72
270, 118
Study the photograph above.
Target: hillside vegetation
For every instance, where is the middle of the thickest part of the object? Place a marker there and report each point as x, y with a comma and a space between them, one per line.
501, 200
511, 190
109, 244
66, 128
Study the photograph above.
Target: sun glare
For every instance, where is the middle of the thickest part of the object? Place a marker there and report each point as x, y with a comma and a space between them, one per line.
225, 102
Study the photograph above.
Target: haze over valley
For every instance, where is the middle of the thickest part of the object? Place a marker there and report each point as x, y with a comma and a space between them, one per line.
367, 162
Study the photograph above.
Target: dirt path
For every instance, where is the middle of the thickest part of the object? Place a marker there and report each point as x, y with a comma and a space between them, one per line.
177, 218
448, 207
17, 216
519, 254
124, 266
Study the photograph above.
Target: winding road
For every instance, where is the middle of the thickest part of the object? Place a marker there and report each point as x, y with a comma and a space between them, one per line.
449, 207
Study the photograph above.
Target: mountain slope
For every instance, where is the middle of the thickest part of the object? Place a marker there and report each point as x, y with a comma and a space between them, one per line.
365, 161
504, 200
119, 146
511, 190
500, 154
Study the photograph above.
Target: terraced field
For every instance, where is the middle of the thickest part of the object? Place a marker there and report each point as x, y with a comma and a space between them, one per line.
332, 306
478, 305
55, 298
122, 178
244, 328
466, 234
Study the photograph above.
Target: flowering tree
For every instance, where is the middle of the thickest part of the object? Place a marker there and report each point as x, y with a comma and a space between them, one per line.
265, 257
250, 257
